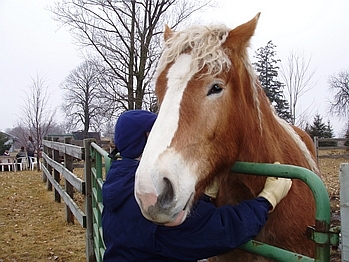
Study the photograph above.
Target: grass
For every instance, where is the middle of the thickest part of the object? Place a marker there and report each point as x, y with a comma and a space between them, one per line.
33, 227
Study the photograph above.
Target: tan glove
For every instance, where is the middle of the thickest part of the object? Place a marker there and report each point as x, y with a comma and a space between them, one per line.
212, 189
275, 189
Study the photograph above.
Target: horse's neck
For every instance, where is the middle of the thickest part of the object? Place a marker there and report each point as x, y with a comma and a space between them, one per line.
234, 188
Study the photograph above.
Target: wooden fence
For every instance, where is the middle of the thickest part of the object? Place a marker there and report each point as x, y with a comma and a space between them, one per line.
52, 171
96, 164
338, 143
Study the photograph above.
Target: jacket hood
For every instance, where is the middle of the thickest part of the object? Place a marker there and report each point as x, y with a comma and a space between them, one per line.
131, 130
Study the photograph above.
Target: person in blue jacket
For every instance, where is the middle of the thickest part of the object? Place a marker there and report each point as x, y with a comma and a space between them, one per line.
207, 232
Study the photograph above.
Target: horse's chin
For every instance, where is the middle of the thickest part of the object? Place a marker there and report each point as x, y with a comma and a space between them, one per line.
178, 220
166, 217
182, 215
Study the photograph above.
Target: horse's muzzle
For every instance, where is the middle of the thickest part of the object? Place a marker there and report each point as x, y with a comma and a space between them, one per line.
163, 209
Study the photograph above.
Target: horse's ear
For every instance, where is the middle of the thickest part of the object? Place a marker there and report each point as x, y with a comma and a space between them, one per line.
167, 33
240, 36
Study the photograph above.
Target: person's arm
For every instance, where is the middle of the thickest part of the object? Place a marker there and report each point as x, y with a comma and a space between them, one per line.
210, 231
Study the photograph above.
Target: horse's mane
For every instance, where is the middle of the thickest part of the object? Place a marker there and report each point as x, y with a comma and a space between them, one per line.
302, 146
204, 44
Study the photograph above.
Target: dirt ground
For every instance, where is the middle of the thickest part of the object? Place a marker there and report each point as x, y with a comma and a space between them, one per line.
32, 225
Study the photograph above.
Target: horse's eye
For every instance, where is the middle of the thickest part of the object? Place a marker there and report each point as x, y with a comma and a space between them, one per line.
215, 89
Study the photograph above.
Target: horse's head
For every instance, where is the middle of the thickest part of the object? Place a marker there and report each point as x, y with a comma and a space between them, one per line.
200, 80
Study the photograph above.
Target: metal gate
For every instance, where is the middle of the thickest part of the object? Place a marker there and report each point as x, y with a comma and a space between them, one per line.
98, 163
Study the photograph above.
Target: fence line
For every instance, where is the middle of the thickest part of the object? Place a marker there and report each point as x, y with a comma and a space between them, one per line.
339, 143
51, 173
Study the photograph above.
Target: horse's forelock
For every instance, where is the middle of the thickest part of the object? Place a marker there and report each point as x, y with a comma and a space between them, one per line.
204, 44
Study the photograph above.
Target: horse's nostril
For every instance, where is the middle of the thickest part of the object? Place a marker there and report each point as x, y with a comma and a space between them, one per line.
167, 195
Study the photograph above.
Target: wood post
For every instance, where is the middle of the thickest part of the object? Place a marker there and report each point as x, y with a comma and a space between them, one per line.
68, 162
90, 255
56, 174
43, 176
49, 168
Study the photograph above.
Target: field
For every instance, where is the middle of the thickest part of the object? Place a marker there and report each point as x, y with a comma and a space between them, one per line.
32, 225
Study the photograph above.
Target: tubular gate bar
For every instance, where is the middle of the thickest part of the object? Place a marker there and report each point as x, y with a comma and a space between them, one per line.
321, 233
97, 167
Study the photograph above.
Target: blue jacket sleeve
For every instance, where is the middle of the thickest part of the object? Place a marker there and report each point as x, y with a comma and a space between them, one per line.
210, 231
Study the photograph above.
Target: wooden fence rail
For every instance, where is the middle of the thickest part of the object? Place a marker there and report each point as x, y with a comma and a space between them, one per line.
96, 164
52, 171
339, 143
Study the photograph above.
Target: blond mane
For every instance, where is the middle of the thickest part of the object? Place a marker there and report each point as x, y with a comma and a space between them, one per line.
204, 44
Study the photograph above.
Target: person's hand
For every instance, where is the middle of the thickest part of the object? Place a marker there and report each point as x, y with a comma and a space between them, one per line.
212, 189
275, 189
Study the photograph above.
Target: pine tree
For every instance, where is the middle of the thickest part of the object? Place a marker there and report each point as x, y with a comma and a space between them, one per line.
317, 128
267, 68
4, 144
321, 130
328, 130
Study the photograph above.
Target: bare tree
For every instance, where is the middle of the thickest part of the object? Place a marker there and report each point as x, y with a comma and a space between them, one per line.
339, 86
82, 105
297, 77
125, 36
21, 133
37, 114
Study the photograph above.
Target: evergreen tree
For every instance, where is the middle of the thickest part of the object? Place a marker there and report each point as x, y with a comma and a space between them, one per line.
267, 68
321, 130
328, 130
4, 145
317, 128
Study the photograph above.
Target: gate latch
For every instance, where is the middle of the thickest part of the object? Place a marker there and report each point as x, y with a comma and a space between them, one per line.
330, 237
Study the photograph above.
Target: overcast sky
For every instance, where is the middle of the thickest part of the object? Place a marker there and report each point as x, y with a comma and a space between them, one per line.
31, 43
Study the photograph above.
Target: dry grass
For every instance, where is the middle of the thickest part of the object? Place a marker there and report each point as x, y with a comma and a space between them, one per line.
33, 227
329, 162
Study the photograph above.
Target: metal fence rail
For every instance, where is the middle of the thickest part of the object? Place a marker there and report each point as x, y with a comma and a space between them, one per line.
322, 235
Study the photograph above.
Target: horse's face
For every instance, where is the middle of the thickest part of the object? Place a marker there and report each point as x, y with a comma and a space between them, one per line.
187, 143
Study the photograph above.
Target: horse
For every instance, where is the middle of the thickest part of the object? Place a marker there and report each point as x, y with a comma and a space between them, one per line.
213, 113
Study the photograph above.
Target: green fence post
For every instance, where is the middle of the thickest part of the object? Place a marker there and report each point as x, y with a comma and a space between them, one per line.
90, 255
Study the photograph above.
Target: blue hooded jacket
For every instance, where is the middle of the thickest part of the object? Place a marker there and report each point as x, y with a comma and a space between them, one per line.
208, 231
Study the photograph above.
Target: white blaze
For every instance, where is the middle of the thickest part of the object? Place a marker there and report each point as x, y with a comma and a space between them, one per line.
159, 160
